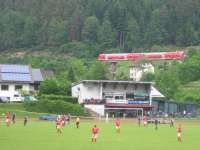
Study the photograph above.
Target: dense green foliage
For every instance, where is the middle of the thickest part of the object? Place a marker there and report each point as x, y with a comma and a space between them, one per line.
54, 106
170, 78
53, 86
173, 79
66, 35
52, 97
86, 27
148, 76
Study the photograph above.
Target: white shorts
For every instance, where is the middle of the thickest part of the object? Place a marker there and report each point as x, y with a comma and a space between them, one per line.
179, 135
58, 126
94, 136
145, 122
117, 127
7, 120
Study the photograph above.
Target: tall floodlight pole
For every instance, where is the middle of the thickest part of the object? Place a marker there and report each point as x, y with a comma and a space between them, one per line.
113, 69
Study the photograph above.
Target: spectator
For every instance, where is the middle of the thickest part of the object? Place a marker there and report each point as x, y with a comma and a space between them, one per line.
14, 118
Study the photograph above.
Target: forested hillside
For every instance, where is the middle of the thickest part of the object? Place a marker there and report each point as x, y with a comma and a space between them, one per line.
84, 28
67, 35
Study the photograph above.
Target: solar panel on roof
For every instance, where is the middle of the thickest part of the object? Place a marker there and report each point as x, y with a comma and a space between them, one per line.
15, 77
14, 68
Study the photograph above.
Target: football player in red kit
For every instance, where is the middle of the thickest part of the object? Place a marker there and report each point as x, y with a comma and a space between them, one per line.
95, 132
117, 125
59, 125
7, 119
145, 121
179, 133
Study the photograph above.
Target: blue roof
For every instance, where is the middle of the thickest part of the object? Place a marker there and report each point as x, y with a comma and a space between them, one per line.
16, 77
14, 69
19, 73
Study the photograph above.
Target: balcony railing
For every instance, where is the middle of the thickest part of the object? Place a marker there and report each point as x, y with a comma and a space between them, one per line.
94, 101
114, 101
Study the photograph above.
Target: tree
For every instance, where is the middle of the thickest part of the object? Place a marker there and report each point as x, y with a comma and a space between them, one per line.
12, 28
168, 83
55, 86
77, 49
133, 34
71, 75
148, 77
155, 32
106, 36
187, 35
97, 71
29, 35
79, 68
189, 70
119, 19
49, 86
76, 24
123, 71
90, 29
57, 32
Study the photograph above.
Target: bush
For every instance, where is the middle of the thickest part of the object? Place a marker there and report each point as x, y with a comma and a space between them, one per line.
77, 49
58, 106
52, 97
53, 86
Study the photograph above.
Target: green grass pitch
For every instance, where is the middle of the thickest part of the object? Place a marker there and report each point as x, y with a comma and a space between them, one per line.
43, 136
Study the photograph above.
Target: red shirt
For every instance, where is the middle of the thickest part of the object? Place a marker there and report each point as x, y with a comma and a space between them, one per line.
117, 123
59, 122
7, 115
95, 130
179, 130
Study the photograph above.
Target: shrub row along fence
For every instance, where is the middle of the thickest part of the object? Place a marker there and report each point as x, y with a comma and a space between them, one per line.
55, 104
52, 97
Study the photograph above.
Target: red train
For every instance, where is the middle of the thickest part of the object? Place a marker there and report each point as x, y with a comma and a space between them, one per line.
178, 55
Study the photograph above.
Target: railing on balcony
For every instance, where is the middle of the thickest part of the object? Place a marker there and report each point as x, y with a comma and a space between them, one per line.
118, 101
94, 101
114, 101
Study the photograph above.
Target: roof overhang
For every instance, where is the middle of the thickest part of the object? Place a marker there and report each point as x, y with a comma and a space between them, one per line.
111, 81
155, 93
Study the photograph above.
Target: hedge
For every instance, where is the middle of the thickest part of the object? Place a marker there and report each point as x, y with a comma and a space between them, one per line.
56, 106
52, 97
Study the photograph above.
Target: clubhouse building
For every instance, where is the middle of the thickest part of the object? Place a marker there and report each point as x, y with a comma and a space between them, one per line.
125, 97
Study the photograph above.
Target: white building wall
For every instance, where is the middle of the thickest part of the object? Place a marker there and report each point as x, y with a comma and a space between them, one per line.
86, 91
122, 89
76, 92
96, 108
26, 87
137, 72
91, 90
11, 91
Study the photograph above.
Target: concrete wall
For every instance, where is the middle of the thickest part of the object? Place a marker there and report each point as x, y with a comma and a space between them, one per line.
122, 89
96, 108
